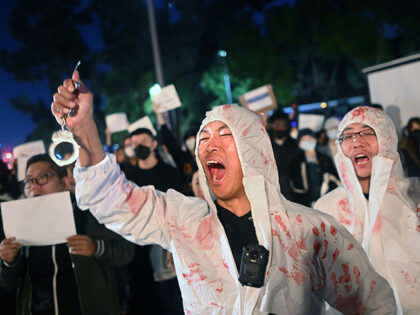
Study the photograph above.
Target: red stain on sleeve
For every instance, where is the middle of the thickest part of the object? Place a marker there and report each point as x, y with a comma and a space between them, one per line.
323, 227
282, 225
350, 246
333, 230
378, 224
315, 231
372, 286
284, 270
194, 275
302, 244
299, 218
206, 233
345, 278
325, 249
356, 273
226, 107
317, 246
335, 255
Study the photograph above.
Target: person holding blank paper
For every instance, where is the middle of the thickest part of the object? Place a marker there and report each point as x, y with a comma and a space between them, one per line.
72, 278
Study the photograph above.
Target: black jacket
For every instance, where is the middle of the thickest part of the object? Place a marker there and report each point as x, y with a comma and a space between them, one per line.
93, 277
306, 189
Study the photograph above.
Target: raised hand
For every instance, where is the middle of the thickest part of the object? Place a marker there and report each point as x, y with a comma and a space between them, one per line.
9, 249
81, 122
81, 100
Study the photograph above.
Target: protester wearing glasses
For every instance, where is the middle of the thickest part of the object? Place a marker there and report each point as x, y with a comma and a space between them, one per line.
73, 278
377, 204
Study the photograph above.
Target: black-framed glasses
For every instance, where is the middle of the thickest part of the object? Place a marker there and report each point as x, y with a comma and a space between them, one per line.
348, 137
40, 180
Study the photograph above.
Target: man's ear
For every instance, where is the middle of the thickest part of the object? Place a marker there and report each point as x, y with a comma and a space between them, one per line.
154, 145
66, 182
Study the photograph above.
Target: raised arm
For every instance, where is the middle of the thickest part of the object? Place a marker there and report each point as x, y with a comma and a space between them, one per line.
81, 123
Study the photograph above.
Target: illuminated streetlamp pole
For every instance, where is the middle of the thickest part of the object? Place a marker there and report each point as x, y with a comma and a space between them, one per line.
226, 77
172, 121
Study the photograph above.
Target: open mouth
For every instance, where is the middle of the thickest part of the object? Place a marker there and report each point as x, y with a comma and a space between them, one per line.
361, 159
216, 170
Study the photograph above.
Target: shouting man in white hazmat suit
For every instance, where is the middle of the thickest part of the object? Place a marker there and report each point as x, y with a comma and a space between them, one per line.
376, 203
248, 252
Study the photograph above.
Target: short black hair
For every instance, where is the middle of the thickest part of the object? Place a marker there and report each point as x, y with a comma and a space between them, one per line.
278, 114
140, 131
61, 172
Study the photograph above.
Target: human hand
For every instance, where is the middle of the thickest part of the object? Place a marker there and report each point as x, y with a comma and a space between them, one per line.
9, 249
81, 245
81, 101
159, 116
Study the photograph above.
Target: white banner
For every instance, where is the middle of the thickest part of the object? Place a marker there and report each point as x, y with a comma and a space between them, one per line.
23, 152
144, 122
117, 122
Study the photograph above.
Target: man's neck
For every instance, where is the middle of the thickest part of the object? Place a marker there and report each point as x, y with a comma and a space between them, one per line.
148, 163
238, 207
365, 183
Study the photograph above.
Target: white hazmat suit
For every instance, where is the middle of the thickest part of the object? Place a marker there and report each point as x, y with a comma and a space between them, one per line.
387, 225
311, 256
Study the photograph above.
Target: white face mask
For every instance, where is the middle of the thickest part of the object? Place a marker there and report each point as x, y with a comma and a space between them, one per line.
332, 133
129, 152
307, 145
190, 143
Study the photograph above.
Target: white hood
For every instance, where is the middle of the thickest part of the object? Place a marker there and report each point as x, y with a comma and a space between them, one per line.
258, 165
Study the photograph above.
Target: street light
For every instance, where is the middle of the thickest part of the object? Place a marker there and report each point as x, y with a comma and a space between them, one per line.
222, 54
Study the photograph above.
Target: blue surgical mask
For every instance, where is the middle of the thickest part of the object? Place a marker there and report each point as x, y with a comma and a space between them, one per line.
307, 145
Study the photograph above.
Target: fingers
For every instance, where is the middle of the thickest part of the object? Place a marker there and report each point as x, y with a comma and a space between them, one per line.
9, 249
81, 245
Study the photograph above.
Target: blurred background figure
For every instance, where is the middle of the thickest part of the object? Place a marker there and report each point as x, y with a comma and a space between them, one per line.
312, 173
410, 148
331, 131
9, 190
183, 155
284, 147
9, 186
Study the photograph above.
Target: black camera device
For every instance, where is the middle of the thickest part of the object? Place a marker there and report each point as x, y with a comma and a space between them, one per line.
253, 263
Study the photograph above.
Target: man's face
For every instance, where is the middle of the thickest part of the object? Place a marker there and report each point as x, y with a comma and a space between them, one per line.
218, 155
360, 149
143, 139
48, 181
280, 125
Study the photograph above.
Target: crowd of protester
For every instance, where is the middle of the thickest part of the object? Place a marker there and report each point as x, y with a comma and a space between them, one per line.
133, 279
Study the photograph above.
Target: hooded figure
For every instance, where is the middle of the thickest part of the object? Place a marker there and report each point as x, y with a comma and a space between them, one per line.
311, 258
384, 218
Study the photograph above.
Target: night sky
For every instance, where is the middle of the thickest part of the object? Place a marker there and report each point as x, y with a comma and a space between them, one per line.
15, 126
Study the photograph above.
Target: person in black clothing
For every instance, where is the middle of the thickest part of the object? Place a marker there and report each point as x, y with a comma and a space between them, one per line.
152, 170
73, 278
284, 147
184, 158
410, 148
9, 190
312, 173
